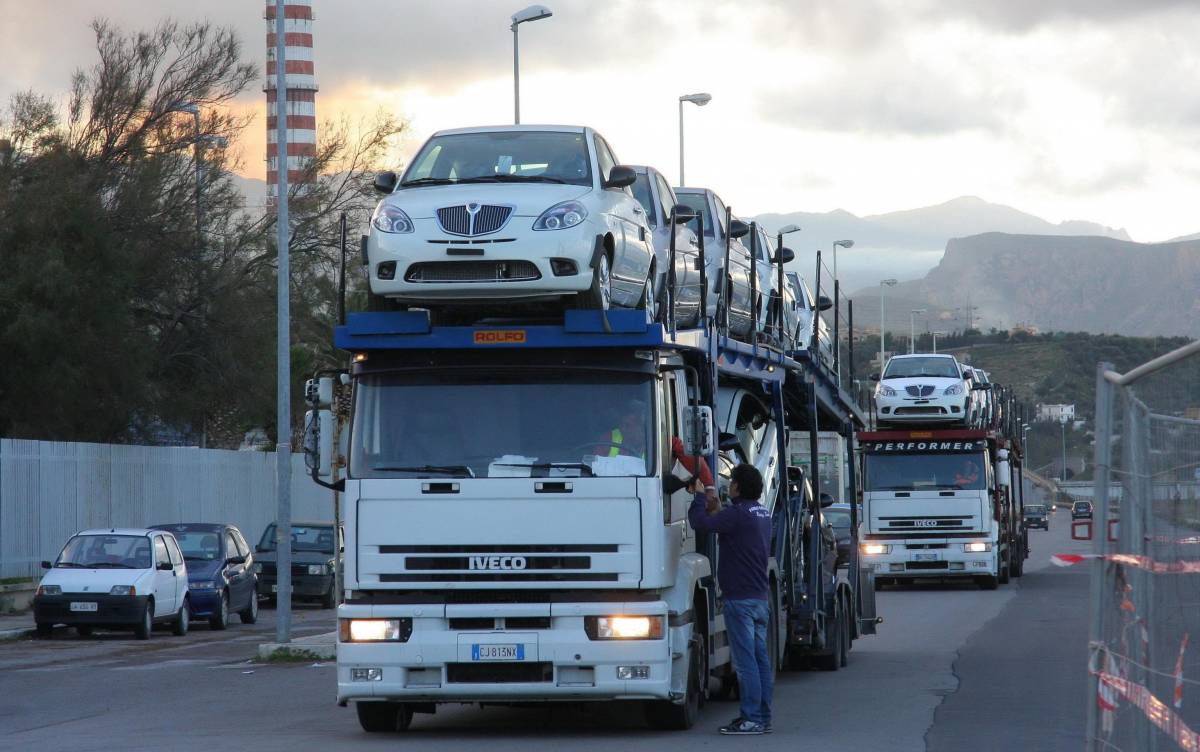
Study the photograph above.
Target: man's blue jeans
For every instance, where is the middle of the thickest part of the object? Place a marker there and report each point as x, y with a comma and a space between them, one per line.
746, 622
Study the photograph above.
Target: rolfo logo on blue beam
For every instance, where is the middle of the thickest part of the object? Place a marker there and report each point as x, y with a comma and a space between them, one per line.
497, 562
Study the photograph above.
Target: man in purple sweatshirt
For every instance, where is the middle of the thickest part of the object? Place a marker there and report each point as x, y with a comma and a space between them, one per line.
744, 534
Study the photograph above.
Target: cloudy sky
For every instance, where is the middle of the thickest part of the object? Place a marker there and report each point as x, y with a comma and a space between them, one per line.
1068, 109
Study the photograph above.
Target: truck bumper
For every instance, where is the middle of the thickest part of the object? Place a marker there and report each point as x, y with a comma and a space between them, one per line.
439, 664
952, 561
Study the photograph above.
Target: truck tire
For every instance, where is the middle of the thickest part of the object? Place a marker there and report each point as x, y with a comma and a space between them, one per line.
668, 716
383, 717
1005, 568
1016, 568
834, 633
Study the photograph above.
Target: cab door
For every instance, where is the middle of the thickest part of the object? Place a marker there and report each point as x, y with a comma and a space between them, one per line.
166, 587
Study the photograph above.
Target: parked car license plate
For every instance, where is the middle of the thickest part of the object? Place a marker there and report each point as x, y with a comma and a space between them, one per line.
926, 557
497, 652
274, 588
83, 606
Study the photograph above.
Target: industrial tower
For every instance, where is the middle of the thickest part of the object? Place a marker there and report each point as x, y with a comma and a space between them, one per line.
301, 94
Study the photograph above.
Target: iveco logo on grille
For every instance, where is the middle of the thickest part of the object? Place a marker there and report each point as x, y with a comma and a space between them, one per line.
497, 562
925, 523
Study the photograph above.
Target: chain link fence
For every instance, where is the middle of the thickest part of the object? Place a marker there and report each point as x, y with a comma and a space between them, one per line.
1144, 651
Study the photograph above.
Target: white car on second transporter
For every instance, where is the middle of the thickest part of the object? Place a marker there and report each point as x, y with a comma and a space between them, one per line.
511, 214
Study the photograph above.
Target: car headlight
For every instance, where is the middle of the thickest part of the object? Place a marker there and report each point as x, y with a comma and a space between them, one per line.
49, 590
561, 216
977, 548
886, 391
624, 627
874, 549
953, 389
391, 219
374, 630
316, 569
123, 590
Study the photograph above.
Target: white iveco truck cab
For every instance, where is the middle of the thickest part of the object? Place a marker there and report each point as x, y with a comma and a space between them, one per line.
941, 504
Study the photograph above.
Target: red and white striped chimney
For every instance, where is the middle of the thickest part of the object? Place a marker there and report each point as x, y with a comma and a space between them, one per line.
300, 95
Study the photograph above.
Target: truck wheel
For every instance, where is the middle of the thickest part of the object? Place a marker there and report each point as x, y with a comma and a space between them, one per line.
1004, 569
666, 715
382, 717
1017, 567
833, 661
987, 582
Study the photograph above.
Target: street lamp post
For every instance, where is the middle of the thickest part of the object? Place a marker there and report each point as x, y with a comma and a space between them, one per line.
532, 13
699, 100
1062, 419
883, 319
912, 329
785, 230
935, 336
837, 286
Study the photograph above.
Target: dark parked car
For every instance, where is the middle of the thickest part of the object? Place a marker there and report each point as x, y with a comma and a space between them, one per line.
315, 551
1081, 510
838, 515
1037, 516
221, 576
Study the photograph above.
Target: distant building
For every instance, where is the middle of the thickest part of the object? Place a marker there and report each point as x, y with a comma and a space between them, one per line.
1055, 413
300, 95
1192, 413
1023, 328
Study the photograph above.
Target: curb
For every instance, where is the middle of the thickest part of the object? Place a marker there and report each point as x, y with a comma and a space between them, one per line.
15, 634
317, 647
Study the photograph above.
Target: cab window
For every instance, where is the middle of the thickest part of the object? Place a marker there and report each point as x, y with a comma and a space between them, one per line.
160, 551
173, 550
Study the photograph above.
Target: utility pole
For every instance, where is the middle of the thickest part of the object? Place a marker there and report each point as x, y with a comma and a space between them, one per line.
283, 382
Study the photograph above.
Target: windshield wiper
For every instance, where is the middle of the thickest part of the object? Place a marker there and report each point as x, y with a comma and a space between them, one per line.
587, 469
196, 558
70, 564
108, 565
459, 471
528, 179
428, 181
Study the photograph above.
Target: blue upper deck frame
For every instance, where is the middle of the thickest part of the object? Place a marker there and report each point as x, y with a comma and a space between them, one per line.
411, 330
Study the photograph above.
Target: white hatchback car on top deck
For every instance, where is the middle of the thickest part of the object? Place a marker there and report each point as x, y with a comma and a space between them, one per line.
114, 578
922, 388
511, 214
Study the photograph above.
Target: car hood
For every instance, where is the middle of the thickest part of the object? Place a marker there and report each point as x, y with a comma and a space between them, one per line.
527, 199
204, 571
298, 557
92, 580
901, 384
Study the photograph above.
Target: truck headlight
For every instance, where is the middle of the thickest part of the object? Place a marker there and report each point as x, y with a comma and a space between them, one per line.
624, 627
123, 590
374, 630
391, 219
561, 216
874, 549
977, 548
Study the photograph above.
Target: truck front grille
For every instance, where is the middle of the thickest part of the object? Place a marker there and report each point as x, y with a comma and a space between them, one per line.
547, 562
499, 673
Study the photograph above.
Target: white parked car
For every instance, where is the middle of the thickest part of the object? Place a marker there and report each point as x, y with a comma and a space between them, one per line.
719, 230
923, 388
114, 578
658, 200
805, 309
511, 214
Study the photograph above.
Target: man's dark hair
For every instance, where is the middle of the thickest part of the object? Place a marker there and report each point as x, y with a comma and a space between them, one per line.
749, 480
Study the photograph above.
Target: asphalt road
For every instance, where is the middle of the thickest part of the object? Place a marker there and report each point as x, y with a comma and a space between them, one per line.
953, 668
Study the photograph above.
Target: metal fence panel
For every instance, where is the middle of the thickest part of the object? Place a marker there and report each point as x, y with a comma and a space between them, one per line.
1144, 656
49, 490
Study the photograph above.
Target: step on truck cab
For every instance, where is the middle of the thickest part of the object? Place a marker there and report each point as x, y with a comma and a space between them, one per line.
516, 517
941, 504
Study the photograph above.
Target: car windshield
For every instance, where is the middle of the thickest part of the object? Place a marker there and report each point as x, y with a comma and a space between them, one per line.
502, 156
304, 538
698, 203
921, 472
837, 518
901, 368
200, 545
527, 423
106, 551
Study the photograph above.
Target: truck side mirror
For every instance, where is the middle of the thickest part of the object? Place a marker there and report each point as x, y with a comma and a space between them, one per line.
318, 443
385, 182
699, 430
1003, 473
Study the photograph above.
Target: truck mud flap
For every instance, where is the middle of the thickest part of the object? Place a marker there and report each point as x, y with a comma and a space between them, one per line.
867, 616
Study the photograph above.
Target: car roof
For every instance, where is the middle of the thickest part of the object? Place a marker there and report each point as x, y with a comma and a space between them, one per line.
142, 531
187, 526
309, 523
906, 356
503, 128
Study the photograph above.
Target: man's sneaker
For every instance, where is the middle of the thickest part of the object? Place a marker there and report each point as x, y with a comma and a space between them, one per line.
742, 727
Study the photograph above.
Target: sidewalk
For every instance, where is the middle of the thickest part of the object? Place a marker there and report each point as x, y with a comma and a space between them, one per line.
16, 626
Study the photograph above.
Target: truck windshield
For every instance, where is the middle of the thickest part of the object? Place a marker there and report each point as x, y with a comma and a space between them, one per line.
921, 472
502, 156
501, 424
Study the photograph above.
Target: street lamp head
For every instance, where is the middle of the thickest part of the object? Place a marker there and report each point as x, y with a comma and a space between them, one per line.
843, 243
789, 228
699, 99
888, 282
532, 13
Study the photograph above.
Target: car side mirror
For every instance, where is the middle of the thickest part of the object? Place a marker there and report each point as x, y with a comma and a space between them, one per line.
682, 213
236, 560
826, 500
728, 442
738, 229
784, 256
47, 565
874, 377
385, 182
164, 566
824, 303
620, 176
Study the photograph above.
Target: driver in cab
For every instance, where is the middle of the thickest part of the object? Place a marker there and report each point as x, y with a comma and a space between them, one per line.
628, 433
967, 475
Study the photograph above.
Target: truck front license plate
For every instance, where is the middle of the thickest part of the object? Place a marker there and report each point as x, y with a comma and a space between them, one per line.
83, 606
497, 652
926, 557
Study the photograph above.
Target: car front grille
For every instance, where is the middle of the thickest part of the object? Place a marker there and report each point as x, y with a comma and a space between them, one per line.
473, 271
473, 219
921, 410
919, 390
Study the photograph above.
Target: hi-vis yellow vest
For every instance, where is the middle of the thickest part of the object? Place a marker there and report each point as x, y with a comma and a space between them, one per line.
619, 438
